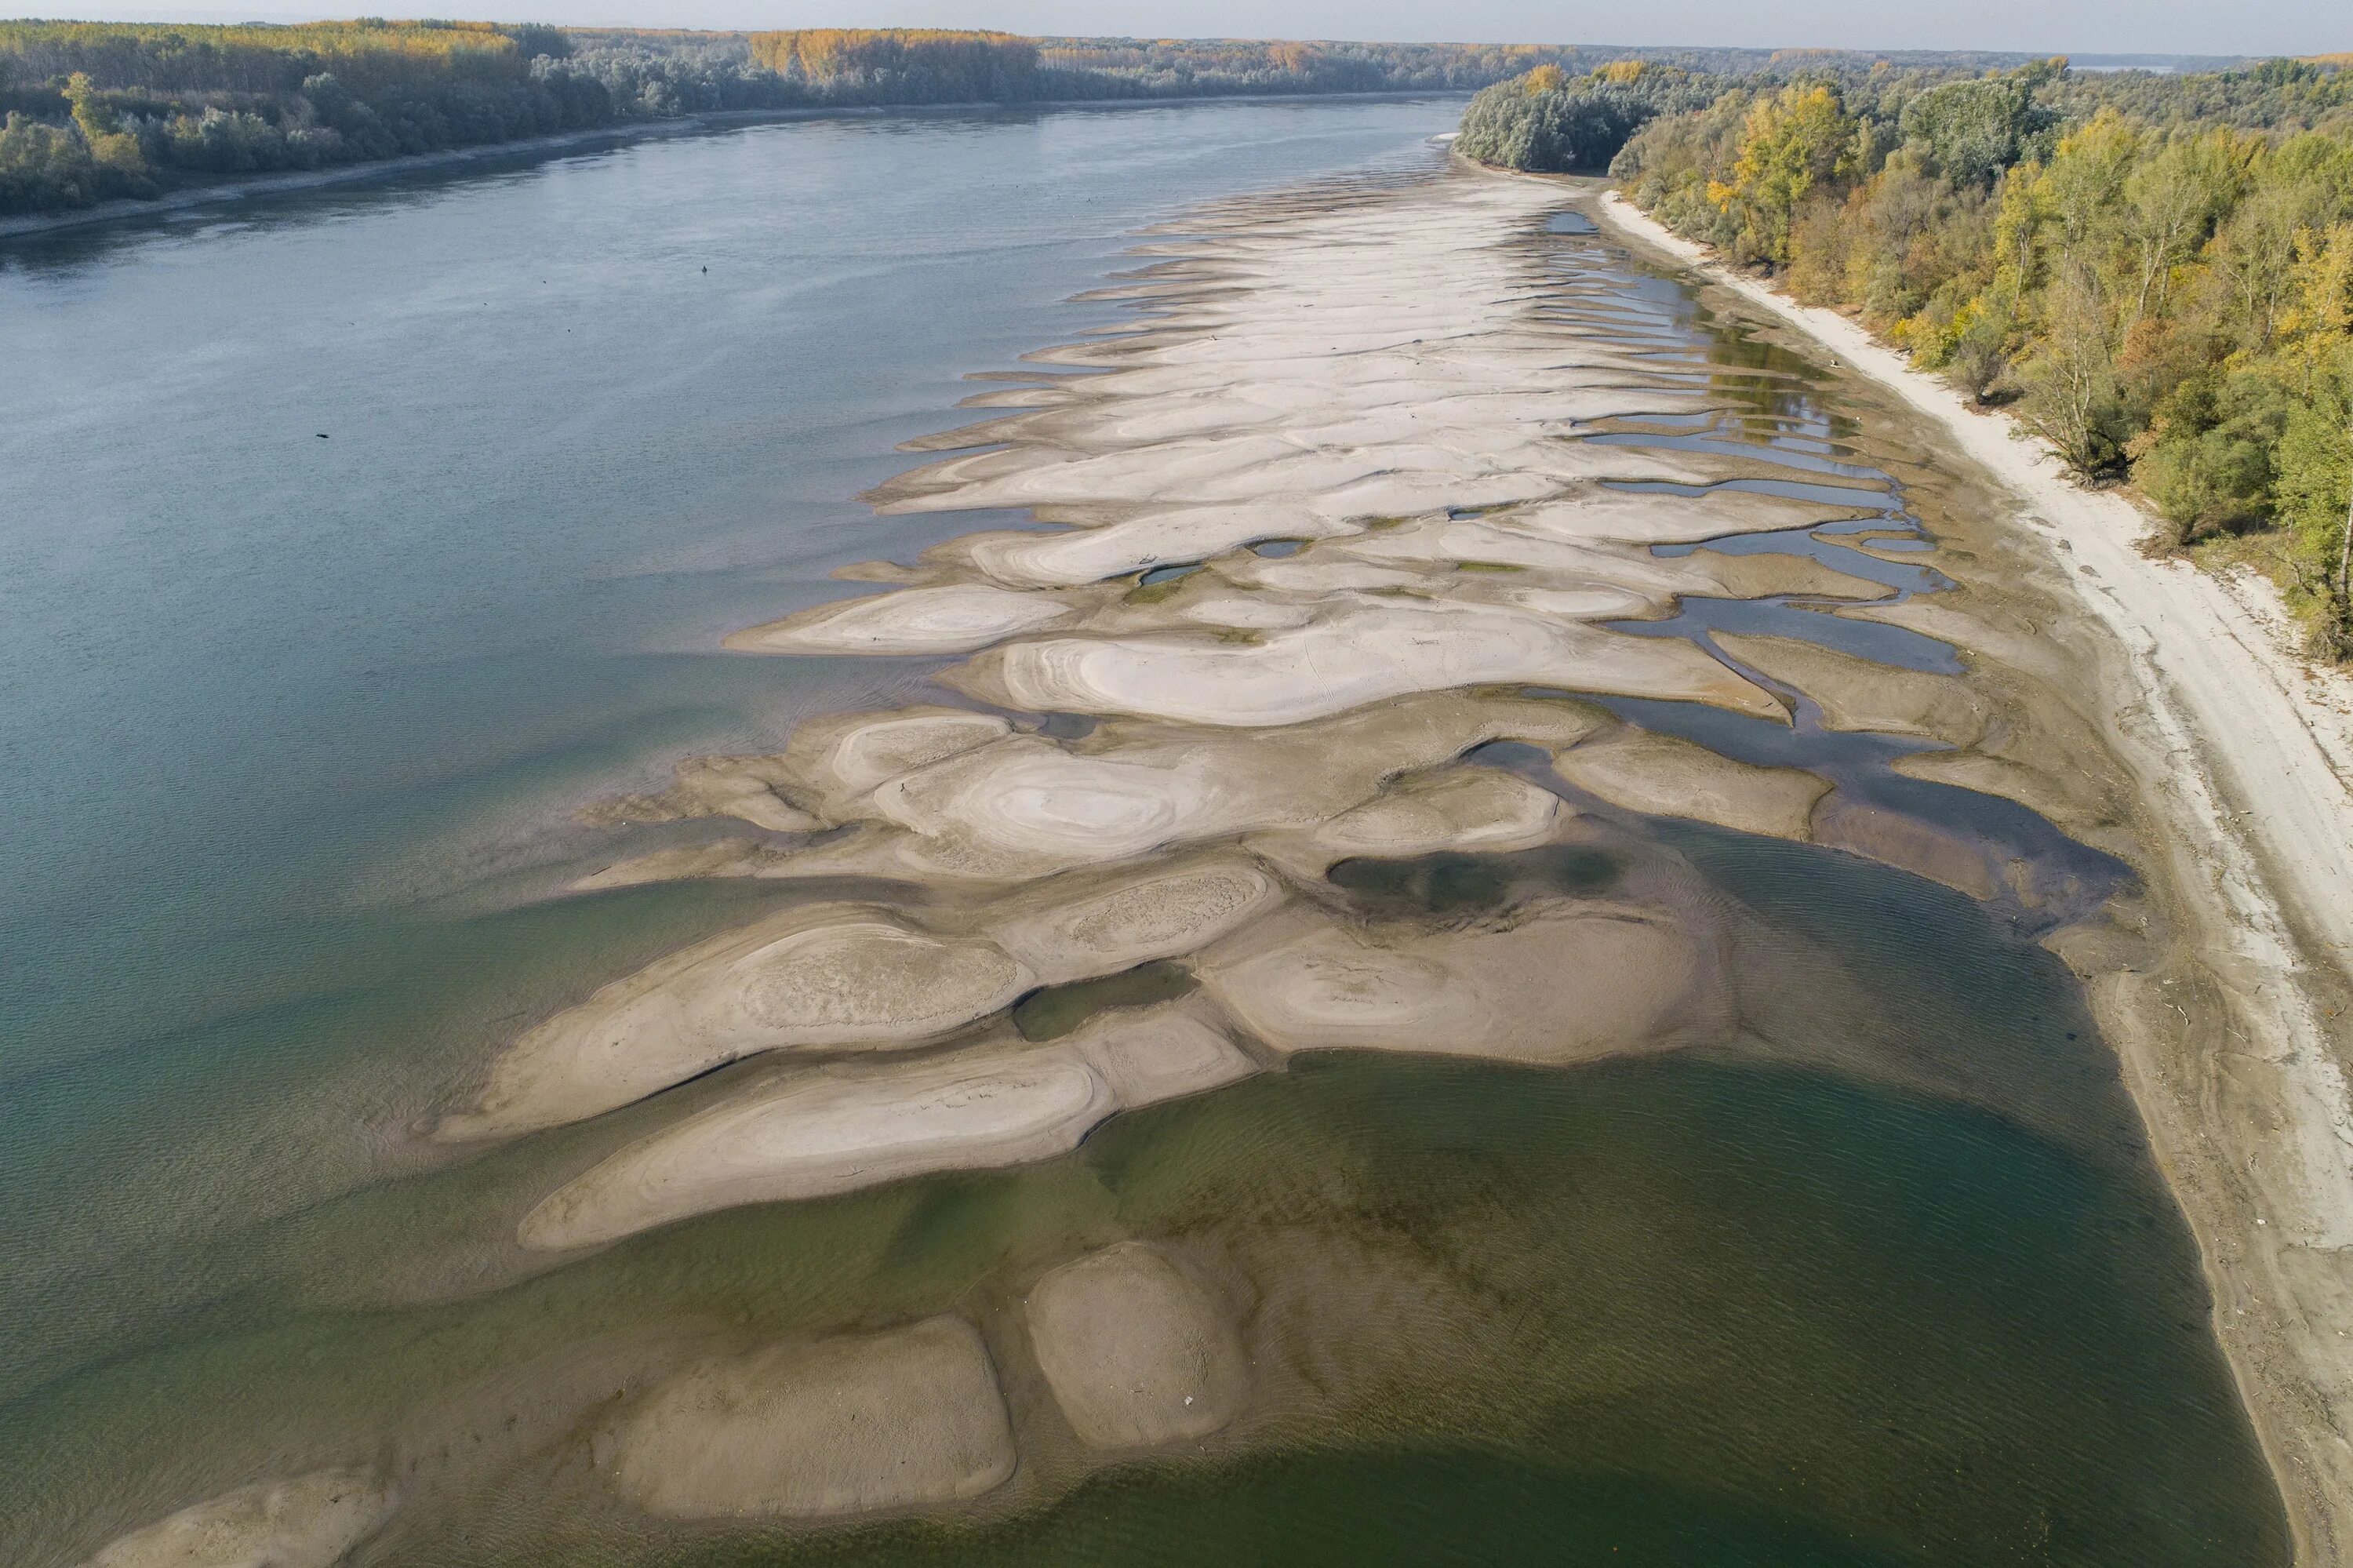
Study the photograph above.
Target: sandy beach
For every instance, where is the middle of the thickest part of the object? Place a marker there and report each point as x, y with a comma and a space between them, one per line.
2233, 1040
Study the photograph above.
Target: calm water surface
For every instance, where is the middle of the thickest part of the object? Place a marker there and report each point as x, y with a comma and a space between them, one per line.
348, 541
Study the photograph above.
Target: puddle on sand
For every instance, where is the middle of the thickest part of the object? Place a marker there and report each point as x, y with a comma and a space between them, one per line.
1054, 1011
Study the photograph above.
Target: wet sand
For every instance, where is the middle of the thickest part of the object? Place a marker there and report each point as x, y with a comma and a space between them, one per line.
2228, 1007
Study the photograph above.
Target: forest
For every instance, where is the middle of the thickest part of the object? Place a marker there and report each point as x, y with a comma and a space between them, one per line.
97, 110
2154, 272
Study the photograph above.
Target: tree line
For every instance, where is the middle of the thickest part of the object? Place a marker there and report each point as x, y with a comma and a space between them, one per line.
96, 111
2155, 271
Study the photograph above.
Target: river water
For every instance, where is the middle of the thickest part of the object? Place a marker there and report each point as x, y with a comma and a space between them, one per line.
349, 541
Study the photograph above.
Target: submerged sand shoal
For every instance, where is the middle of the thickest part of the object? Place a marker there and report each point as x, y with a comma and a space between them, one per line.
857, 1423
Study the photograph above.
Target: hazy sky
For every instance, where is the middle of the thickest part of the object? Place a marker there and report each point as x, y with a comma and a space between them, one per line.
2080, 27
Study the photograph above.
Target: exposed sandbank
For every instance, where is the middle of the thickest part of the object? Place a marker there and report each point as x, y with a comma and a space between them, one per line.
815, 1132
1571, 981
1667, 776
1136, 1352
854, 1425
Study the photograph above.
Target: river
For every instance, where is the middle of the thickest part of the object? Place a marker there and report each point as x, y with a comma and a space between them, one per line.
351, 541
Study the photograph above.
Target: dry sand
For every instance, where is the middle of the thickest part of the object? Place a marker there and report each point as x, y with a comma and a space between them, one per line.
2235, 1043
1667, 776
813, 1133
1456, 809
1019, 807
1857, 695
839, 977
860, 1424
950, 619
1164, 911
1569, 981
1348, 657
1136, 1351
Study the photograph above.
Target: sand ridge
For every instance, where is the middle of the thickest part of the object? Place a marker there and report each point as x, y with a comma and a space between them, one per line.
830, 976
815, 1132
309, 1521
1568, 981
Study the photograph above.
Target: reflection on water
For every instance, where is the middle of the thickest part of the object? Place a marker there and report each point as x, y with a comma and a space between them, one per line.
290, 706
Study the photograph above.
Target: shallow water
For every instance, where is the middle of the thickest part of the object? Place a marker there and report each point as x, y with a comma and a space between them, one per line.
297, 726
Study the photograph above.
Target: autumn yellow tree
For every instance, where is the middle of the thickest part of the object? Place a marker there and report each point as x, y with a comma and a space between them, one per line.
1794, 141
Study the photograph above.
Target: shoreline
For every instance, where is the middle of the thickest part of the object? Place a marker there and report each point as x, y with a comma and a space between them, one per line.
235, 190
2231, 746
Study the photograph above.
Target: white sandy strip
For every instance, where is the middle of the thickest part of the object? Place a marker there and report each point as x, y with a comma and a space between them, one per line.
1359, 653
809, 1135
828, 976
2239, 730
955, 619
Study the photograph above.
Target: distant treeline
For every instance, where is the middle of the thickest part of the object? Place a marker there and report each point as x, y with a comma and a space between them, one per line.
2158, 271
1551, 120
95, 110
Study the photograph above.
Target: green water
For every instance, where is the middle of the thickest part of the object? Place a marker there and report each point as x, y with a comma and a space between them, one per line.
291, 755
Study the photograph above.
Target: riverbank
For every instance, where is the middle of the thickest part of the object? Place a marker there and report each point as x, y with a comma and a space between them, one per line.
393, 168
2237, 753
245, 189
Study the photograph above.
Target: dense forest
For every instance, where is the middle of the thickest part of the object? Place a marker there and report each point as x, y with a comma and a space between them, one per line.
94, 111
1549, 120
2155, 271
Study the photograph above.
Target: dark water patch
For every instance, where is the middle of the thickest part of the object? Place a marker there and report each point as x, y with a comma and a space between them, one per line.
1067, 727
1170, 574
1278, 549
1899, 577
1704, 441
1886, 1327
1452, 883
1974, 999
2072, 877
1781, 616
1848, 496
1389, 1505
1570, 222
1054, 1011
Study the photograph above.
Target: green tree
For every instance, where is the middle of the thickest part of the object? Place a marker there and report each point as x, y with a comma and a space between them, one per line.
2314, 493
1971, 130
1799, 138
